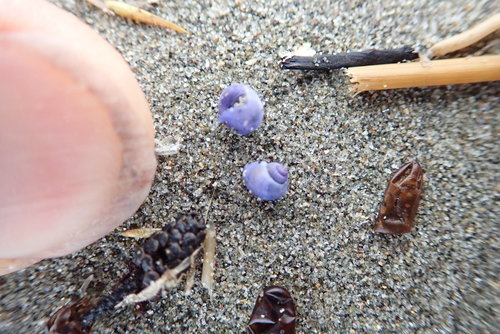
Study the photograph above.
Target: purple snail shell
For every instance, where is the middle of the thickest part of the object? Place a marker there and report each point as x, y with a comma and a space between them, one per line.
240, 108
267, 181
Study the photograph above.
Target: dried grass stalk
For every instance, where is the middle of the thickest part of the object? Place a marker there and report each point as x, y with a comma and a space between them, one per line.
420, 74
140, 15
467, 37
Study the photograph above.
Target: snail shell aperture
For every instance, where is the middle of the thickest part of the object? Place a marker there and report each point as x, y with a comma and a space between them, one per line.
240, 109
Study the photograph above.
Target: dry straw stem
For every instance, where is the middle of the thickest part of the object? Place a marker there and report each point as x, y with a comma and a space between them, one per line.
140, 15
467, 37
421, 74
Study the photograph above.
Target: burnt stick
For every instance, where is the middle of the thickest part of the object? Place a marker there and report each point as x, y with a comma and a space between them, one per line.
349, 59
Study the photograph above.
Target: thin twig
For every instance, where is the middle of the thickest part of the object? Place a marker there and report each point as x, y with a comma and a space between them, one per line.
349, 59
210, 203
83, 289
467, 37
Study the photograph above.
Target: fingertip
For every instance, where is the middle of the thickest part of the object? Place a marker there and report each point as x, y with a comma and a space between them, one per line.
77, 130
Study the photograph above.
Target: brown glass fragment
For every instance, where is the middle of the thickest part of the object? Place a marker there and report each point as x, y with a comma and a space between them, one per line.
401, 199
274, 313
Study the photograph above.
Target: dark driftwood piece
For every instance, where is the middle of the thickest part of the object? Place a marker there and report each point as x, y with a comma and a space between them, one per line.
401, 200
274, 312
349, 59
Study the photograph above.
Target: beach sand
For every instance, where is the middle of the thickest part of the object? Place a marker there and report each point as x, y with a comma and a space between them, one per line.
340, 149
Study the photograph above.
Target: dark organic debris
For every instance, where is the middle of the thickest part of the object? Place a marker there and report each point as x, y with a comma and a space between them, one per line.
349, 59
167, 249
274, 313
401, 200
67, 320
165, 254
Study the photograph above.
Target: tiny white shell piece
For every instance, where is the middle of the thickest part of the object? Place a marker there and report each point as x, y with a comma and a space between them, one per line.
168, 146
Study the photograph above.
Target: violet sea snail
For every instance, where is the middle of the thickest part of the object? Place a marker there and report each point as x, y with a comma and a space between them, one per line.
240, 108
267, 181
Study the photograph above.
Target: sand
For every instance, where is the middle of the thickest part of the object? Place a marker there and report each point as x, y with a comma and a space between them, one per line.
340, 150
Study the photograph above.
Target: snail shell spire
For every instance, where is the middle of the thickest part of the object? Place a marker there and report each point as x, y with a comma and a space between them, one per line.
267, 181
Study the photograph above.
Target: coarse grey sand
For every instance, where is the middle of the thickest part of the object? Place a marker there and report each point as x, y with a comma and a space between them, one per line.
341, 151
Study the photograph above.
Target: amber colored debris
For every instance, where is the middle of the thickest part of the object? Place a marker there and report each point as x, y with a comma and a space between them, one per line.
274, 312
140, 233
401, 199
68, 319
467, 37
140, 15
420, 74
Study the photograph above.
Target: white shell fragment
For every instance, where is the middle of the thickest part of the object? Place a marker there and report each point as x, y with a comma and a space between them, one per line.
252, 61
304, 50
168, 146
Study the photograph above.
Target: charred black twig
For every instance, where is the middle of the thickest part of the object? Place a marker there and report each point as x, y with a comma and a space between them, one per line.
157, 265
349, 59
